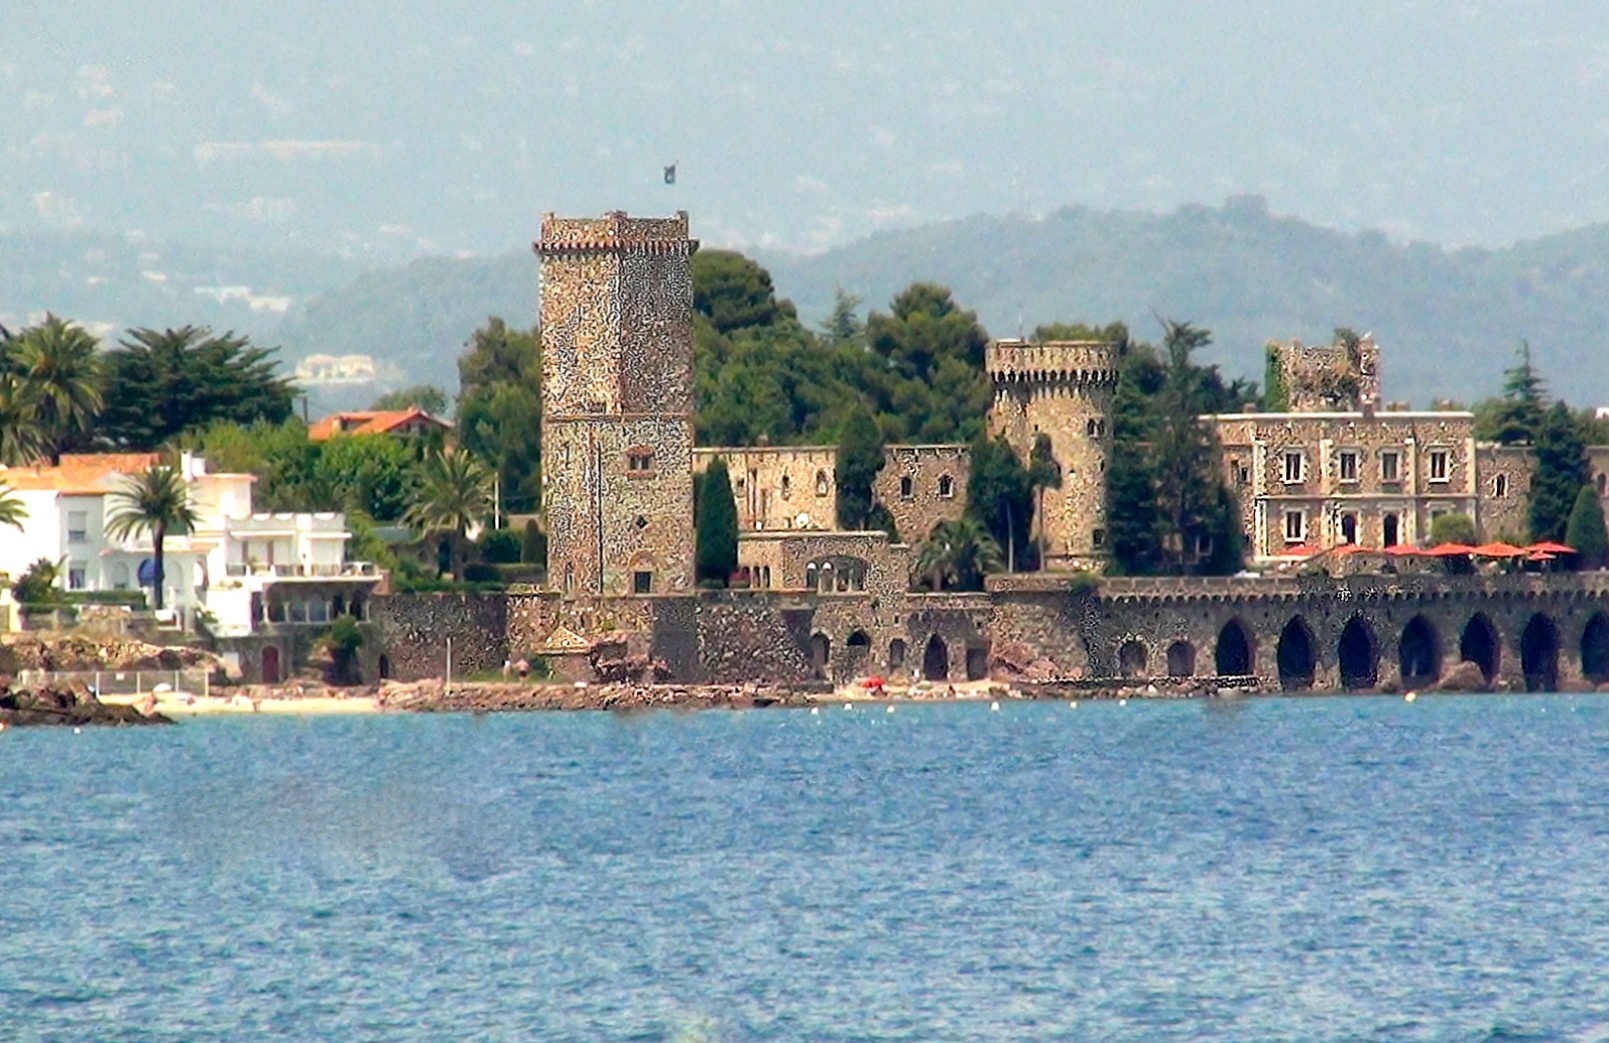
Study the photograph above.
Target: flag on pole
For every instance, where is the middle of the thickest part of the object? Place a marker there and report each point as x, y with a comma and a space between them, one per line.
670, 174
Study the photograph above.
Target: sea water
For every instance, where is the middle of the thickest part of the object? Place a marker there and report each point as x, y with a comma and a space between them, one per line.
1303, 869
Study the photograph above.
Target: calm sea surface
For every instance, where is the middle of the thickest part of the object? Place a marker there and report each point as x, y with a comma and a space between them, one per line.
1324, 869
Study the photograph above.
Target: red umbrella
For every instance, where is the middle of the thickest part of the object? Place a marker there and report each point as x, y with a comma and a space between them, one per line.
872, 682
1350, 548
1549, 547
1540, 555
1450, 550
1499, 550
1402, 550
1300, 550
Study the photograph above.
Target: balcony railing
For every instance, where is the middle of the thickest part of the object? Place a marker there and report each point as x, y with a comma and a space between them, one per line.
344, 570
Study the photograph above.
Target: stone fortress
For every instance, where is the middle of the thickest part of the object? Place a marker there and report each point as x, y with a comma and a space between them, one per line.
821, 603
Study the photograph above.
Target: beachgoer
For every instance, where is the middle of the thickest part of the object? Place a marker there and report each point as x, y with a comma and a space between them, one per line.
523, 667
508, 668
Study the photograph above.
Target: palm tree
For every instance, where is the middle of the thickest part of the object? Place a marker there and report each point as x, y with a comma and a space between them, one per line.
158, 502
958, 554
454, 495
22, 438
12, 512
57, 361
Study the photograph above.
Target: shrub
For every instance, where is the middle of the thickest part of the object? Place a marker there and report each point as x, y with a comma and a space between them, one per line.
499, 547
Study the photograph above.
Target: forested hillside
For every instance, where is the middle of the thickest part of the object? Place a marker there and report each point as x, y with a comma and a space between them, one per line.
1448, 320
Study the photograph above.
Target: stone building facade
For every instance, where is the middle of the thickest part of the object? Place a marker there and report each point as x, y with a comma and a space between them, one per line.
779, 487
617, 403
1343, 377
1322, 479
1062, 389
921, 486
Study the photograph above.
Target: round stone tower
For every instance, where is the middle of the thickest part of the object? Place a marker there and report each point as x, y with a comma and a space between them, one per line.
1063, 389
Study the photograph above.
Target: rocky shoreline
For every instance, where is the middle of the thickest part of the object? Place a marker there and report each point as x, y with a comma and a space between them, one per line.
74, 706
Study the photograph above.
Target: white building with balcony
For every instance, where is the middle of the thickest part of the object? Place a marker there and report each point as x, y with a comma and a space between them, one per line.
249, 572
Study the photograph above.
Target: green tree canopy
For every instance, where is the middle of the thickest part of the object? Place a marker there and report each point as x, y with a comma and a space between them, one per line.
715, 526
500, 408
429, 397
1000, 496
1586, 530
860, 458
931, 386
957, 555
1517, 417
1452, 527
1562, 469
733, 292
452, 494
160, 383
61, 367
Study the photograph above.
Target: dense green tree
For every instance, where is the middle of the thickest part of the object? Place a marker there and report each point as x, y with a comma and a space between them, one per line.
156, 501
733, 292
342, 640
162, 382
1516, 418
1561, 470
957, 555
1044, 472
1276, 397
1184, 455
931, 386
1000, 496
285, 462
844, 325
40, 584
59, 363
1116, 333
371, 474
1586, 531
429, 397
860, 458
452, 494
22, 436
715, 526
500, 408
1452, 527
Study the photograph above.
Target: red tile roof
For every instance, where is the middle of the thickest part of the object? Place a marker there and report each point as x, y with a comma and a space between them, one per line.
370, 422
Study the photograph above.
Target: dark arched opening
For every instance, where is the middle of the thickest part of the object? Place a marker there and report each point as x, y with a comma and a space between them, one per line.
270, 665
1358, 655
977, 662
1479, 645
1181, 659
820, 653
1132, 659
1388, 531
1297, 663
859, 639
385, 667
896, 653
1419, 654
1232, 656
1595, 649
936, 660
1539, 654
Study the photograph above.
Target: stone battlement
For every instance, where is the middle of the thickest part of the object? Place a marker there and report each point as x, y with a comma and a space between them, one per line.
614, 231
1060, 362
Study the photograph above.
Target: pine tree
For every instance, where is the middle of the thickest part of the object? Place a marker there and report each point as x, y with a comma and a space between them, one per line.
1561, 470
715, 523
1518, 419
860, 458
1586, 531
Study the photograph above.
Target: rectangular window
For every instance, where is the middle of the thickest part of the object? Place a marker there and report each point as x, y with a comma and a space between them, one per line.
642, 582
77, 575
641, 461
77, 526
1438, 465
1388, 467
1293, 468
1295, 526
1349, 466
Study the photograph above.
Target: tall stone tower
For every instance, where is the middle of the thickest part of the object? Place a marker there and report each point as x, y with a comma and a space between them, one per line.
1064, 389
617, 403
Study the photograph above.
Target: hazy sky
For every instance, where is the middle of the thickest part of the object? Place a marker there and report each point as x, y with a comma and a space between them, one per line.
418, 126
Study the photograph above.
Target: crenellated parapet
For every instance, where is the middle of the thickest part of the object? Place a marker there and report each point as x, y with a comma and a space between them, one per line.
614, 232
1052, 363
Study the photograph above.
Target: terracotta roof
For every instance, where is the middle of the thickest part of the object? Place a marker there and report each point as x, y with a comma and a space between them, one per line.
369, 422
80, 473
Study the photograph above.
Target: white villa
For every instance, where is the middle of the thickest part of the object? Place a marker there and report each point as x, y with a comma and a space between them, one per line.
249, 572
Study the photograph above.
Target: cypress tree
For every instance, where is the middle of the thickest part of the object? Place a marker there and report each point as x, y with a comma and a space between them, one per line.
533, 548
860, 457
1561, 470
999, 495
715, 524
1586, 532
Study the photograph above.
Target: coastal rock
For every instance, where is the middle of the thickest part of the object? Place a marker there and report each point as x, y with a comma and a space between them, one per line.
75, 706
1465, 677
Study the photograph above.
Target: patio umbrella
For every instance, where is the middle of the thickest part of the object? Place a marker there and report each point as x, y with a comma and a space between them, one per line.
1450, 550
1300, 550
1549, 547
1403, 550
1350, 548
1499, 550
1540, 555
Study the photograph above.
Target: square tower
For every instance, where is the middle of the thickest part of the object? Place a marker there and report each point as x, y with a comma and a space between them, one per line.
617, 403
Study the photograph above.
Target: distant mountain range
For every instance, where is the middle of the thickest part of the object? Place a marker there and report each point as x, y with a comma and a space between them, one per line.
1449, 321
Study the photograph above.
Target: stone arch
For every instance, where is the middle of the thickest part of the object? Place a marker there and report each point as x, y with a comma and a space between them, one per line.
1349, 527
820, 653
1539, 654
270, 664
1389, 526
1298, 662
1595, 649
1132, 659
385, 667
1358, 655
936, 659
1480, 645
1181, 659
1232, 655
896, 654
859, 639
1419, 653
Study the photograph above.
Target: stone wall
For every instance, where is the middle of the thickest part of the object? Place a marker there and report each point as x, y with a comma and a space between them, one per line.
1329, 378
411, 631
922, 485
1505, 491
780, 487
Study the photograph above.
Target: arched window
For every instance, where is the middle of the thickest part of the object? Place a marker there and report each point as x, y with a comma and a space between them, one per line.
906, 487
1500, 486
821, 483
786, 487
946, 486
